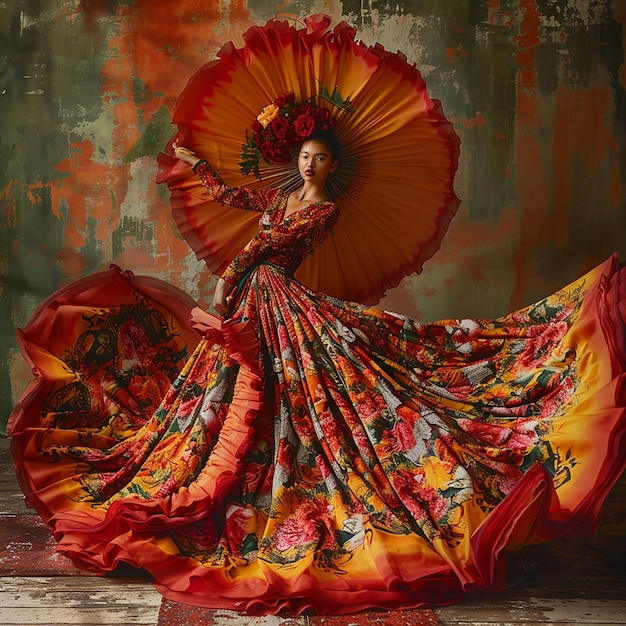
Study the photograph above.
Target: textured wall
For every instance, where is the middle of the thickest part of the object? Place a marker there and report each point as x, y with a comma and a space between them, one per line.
535, 89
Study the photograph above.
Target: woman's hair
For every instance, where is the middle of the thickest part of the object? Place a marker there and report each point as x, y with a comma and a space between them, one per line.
329, 140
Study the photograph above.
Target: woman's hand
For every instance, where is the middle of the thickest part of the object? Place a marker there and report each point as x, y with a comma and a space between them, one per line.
220, 297
184, 154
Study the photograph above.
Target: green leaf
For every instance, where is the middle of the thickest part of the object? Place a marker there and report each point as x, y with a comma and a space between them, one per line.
250, 544
334, 98
250, 157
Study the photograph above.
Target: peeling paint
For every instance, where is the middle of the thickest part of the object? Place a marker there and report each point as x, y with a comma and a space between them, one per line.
534, 87
619, 14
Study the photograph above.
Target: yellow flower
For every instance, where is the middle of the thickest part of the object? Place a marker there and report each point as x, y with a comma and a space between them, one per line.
267, 115
437, 473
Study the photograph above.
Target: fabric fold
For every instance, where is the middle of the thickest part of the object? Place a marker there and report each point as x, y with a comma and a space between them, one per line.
315, 454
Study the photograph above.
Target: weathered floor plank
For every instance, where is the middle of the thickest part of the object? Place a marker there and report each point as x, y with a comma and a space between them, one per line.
27, 548
77, 600
531, 610
12, 501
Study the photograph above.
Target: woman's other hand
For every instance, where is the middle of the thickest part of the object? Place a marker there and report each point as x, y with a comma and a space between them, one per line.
220, 297
184, 154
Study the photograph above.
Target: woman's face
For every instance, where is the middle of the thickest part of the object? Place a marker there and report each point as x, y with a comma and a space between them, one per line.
315, 162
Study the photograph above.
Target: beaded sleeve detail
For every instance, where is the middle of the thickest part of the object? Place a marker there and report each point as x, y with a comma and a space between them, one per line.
237, 197
284, 242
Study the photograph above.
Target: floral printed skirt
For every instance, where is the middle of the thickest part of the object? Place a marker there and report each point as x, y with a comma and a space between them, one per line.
313, 454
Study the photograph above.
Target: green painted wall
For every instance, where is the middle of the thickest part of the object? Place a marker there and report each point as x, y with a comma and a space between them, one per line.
535, 88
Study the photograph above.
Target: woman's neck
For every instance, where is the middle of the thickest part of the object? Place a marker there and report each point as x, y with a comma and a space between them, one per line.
310, 193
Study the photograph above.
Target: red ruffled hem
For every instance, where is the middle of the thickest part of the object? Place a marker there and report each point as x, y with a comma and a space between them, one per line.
407, 572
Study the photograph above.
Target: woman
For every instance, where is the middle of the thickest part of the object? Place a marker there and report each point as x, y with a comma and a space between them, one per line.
317, 159
315, 453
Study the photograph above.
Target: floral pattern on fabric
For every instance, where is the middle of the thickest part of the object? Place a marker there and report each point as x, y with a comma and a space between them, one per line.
319, 453
124, 358
285, 242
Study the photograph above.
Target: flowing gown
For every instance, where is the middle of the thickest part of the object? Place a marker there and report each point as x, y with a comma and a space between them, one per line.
308, 453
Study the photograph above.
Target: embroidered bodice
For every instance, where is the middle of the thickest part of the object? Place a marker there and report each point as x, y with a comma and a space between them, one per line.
281, 241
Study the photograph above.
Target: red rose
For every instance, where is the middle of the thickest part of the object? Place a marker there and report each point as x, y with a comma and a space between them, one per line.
201, 535
280, 127
281, 101
275, 153
303, 109
322, 114
256, 126
294, 141
281, 156
404, 436
252, 476
239, 522
304, 125
266, 149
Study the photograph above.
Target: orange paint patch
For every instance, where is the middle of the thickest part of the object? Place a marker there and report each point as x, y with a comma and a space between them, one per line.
453, 52
478, 121
530, 166
157, 47
573, 150
9, 207
88, 192
557, 162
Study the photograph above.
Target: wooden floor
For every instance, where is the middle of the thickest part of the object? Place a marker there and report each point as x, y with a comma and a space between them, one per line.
572, 582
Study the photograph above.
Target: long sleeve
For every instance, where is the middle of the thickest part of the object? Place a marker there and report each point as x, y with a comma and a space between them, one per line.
239, 197
245, 259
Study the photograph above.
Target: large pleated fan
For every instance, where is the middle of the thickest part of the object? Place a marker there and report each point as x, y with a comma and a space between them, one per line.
394, 184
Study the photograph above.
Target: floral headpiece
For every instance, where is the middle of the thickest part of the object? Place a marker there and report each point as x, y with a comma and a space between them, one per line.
282, 126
